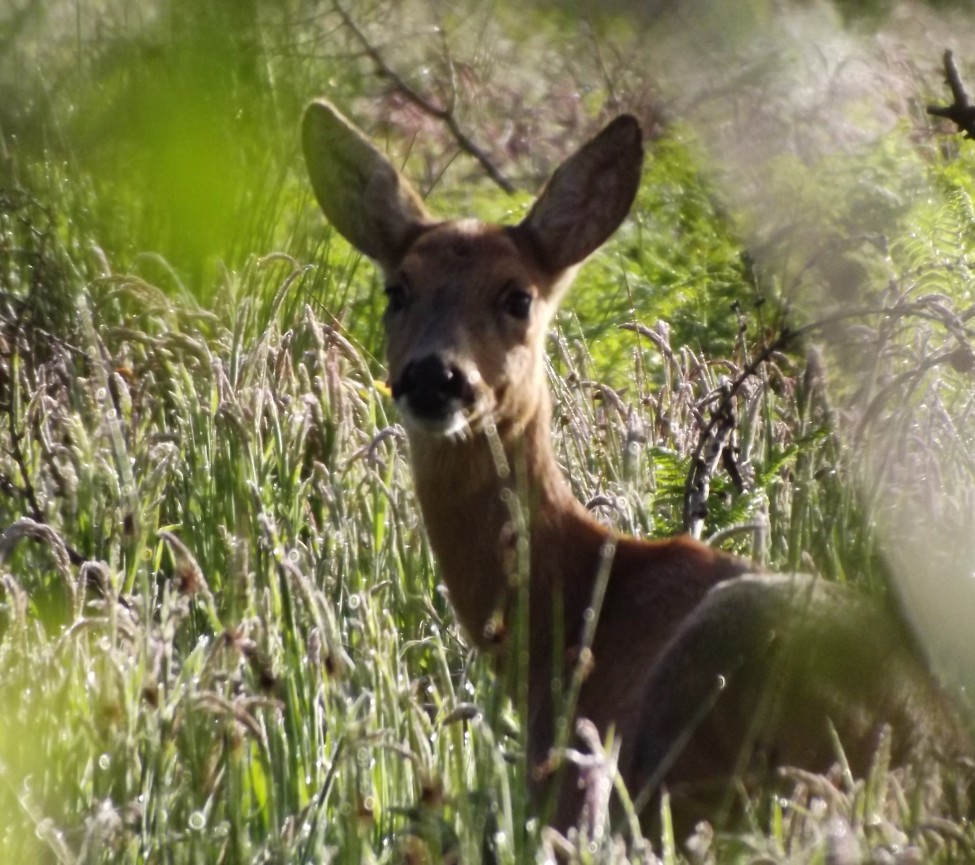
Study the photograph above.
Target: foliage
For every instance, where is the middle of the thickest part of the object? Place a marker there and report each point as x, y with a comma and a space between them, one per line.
222, 635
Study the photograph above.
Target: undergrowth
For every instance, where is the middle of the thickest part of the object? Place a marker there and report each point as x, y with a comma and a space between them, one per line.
222, 634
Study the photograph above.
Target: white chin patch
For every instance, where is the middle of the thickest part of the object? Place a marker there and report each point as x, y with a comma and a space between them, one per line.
453, 426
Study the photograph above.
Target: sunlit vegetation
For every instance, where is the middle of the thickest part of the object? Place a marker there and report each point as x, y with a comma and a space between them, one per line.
222, 637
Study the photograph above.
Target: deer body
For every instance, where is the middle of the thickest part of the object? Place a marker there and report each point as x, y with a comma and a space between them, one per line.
687, 647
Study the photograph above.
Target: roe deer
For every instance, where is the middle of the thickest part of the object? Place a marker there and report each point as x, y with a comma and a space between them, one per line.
707, 673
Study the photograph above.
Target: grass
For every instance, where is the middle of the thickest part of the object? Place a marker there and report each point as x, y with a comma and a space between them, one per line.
222, 637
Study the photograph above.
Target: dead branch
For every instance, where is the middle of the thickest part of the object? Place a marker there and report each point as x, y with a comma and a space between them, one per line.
444, 115
960, 112
715, 443
714, 446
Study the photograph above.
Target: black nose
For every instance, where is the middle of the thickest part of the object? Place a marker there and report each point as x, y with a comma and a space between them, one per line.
433, 388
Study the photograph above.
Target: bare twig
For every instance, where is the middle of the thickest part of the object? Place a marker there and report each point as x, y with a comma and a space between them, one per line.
715, 444
445, 115
960, 112
711, 442
712, 448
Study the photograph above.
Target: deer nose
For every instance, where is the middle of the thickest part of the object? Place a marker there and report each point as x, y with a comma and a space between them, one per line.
433, 388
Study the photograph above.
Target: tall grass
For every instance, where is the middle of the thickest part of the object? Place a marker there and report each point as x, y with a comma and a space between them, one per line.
222, 634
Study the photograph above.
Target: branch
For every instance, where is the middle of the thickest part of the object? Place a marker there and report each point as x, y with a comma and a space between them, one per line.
960, 112
445, 115
714, 445
711, 449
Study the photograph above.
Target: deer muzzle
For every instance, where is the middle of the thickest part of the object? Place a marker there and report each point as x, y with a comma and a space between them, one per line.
434, 395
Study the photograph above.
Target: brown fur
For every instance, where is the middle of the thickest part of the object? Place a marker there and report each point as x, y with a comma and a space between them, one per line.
703, 680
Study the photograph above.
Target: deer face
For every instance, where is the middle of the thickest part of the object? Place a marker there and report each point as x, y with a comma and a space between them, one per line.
469, 303
466, 318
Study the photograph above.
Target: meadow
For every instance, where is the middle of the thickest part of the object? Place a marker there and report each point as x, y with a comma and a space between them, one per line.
222, 634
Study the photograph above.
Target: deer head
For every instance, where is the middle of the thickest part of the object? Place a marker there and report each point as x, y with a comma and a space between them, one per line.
469, 303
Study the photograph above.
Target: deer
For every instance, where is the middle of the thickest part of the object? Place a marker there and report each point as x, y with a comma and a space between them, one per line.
704, 671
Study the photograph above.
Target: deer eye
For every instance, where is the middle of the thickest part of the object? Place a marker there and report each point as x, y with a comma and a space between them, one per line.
517, 303
397, 297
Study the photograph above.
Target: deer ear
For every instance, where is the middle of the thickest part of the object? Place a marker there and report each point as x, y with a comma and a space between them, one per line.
588, 197
360, 191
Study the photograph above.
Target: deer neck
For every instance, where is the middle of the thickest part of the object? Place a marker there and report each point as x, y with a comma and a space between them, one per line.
481, 497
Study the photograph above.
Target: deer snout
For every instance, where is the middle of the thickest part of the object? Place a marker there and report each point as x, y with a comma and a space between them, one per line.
433, 392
